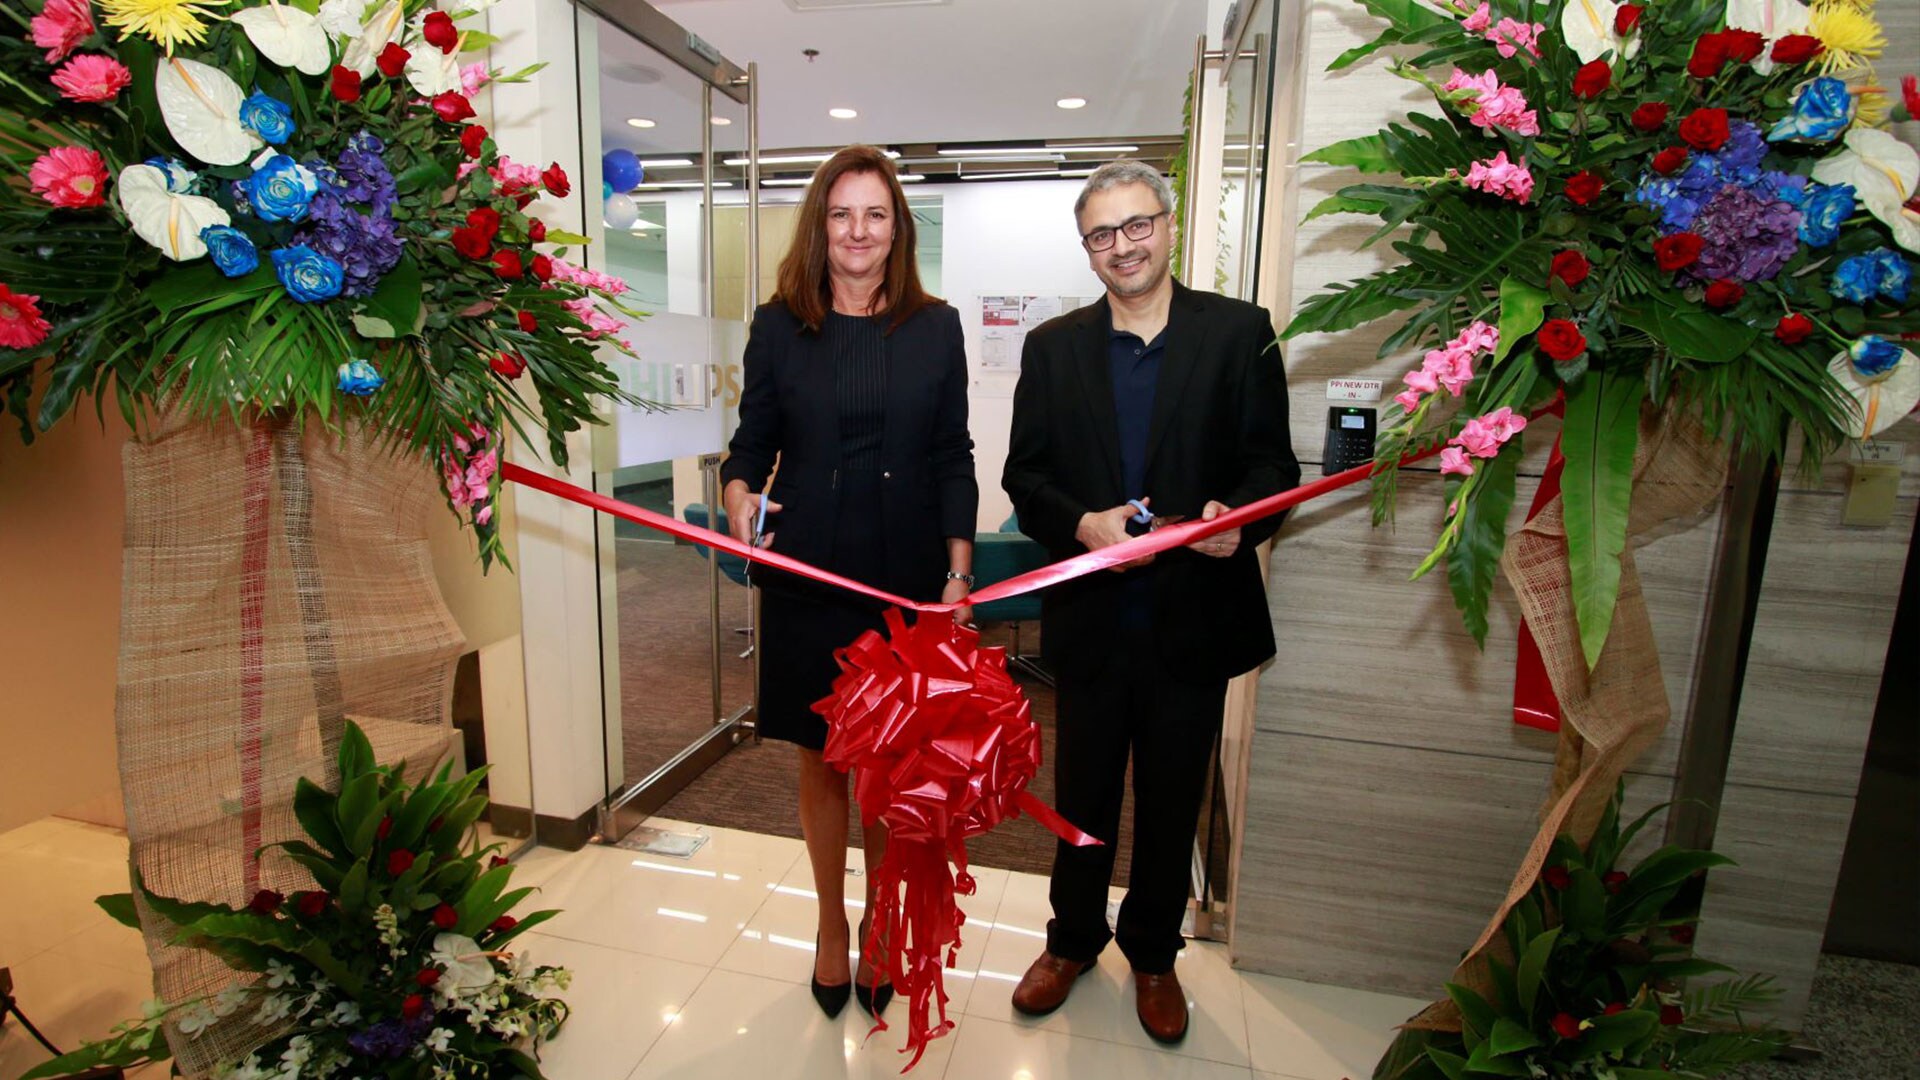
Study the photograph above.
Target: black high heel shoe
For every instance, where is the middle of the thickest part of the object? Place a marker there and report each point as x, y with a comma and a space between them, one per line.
872, 999
831, 999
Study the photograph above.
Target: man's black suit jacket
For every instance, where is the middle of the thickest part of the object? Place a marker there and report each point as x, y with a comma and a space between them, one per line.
1218, 431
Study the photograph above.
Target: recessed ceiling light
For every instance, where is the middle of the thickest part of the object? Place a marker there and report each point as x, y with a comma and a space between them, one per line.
842, 114
1010, 151
666, 163
1072, 103
639, 122
674, 184
721, 121
793, 159
1030, 174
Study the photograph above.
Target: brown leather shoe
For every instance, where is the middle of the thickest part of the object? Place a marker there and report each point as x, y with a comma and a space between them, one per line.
1162, 1006
1045, 986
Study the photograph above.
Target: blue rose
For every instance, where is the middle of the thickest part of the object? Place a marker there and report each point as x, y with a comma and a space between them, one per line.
1894, 275
230, 249
269, 118
357, 377
1821, 111
179, 178
1874, 357
1857, 279
1826, 208
306, 274
280, 189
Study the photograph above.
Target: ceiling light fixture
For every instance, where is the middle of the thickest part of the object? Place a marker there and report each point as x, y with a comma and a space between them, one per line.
720, 121
843, 113
1004, 151
1072, 103
669, 184
666, 163
639, 122
793, 159
1030, 174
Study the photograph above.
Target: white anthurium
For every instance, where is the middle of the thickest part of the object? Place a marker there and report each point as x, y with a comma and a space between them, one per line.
343, 18
431, 72
465, 966
1588, 27
1884, 173
201, 105
363, 54
168, 221
1772, 20
287, 36
1879, 402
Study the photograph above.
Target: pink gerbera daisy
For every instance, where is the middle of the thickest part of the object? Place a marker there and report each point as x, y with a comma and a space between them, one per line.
71, 177
21, 326
61, 26
92, 78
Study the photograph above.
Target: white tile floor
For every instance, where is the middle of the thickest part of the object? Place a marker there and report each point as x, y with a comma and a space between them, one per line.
697, 967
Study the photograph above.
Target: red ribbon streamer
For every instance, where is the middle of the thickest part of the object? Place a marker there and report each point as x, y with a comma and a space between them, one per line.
1534, 703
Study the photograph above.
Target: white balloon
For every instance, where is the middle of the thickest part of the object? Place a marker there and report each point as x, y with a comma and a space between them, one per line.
287, 36
168, 221
621, 211
201, 106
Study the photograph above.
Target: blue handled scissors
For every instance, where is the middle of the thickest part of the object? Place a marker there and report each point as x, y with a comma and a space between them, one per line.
760, 519
1145, 516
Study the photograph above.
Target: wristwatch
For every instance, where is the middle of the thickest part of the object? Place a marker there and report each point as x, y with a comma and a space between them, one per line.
955, 575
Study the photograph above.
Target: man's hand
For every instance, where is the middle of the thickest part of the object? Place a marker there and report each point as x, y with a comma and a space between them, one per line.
1219, 545
955, 592
1107, 528
743, 510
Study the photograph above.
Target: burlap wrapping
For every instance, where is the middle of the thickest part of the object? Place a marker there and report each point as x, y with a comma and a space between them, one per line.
1613, 714
276, 583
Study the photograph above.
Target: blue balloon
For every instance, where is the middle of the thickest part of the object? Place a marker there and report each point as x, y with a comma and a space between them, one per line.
606, 190
621, 169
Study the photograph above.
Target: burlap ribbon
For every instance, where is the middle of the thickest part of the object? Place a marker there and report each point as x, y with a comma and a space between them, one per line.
1615, 712
276, 581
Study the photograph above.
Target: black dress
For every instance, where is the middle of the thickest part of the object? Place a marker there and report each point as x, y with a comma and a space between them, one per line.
802, 623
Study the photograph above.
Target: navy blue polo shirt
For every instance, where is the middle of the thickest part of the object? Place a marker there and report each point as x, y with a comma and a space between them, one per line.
1135, 365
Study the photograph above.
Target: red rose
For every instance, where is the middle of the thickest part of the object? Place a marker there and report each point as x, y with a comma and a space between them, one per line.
445, 917
471, 242
1583, 187
503, 924
392, 60
1626, 17
1796, 49
265, 902
542, 265
452, 107
1670, 161
1793, 329
528, 322
427, 976
413, 1006
386, 828
1613, 1010
1678, 250
312, 903
440, 33
1709, 56
507, 365
1614, 880
1562, 340
1724, 294
1682, 934
1556, 876
521, 199
1705, 129
1670, 1015
1650, 116
471, 137
496, 862
346, 84
486, 219
556, 180
1565, 1026
507, 263
1743, 46
536, 231
1592, 80
1570, 267
399, 862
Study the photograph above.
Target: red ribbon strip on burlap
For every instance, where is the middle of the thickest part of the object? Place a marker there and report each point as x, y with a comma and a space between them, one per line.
1534, 702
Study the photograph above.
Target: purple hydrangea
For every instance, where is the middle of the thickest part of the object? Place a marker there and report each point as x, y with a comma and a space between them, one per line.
1681, 198
363, 175
390, 1039
1749, 235
365, 245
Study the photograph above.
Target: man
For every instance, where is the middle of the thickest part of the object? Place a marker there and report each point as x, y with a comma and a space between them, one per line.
1177, 399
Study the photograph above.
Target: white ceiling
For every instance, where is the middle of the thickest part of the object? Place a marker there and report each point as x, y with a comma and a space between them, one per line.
947, 71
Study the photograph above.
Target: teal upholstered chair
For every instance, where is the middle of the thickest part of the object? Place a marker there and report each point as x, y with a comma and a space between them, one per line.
998, 556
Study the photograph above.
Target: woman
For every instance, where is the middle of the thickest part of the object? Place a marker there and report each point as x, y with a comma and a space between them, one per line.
856, 406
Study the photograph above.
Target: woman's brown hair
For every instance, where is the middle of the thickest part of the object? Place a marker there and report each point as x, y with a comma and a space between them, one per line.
803, 284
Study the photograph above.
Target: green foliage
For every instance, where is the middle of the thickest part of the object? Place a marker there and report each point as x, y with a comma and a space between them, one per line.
368, 949
1601, 431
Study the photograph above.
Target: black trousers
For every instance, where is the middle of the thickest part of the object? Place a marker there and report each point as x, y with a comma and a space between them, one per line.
1130, 704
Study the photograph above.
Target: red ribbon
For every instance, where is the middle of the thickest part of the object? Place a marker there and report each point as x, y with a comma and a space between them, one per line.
1534, 703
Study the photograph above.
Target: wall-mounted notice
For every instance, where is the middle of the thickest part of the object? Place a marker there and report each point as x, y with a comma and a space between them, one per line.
1353, 389
1005, 320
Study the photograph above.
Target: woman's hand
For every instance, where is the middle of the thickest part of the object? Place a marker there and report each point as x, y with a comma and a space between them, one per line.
955, 592
743, 510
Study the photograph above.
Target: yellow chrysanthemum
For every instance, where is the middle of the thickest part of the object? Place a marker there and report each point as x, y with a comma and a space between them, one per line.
1871, 106
1851, 36
169, 23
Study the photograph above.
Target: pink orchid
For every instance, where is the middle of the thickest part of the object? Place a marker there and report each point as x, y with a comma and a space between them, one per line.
70, 176
1498, 176
1423, 381
599, 324
1453, 368
1453, 460
91, 78
1505, 423
483, 515
1478, 22
1477, 439
1512, 35
1478, 337
60, 27
592, 279
473, 77
1407, 399
1507, 108
1482, 84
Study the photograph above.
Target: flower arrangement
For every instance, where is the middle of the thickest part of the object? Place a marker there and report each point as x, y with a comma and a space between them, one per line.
1690, 206
1595, 988
396, 964
286, 206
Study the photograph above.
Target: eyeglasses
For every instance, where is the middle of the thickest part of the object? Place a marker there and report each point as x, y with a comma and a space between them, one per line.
1137, 229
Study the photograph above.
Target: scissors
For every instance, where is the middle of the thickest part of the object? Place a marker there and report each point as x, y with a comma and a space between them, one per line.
760, 518
1150, 519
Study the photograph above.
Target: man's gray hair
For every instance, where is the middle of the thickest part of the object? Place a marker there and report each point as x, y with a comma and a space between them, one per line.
1125, 171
